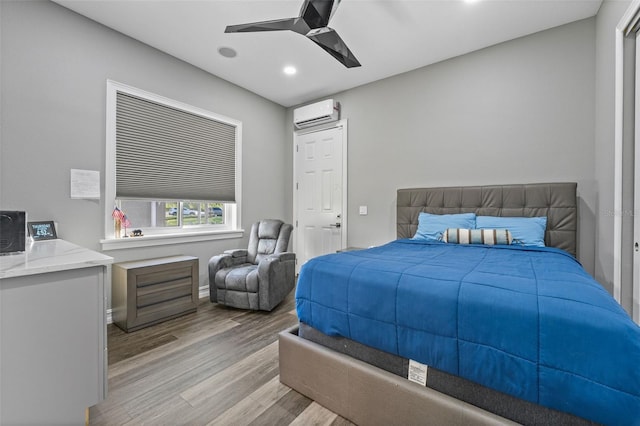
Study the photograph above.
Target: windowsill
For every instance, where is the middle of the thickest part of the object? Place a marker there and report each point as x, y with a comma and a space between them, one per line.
165, 239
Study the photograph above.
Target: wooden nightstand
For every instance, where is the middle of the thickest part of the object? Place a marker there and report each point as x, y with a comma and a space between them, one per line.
349, 249
146, 292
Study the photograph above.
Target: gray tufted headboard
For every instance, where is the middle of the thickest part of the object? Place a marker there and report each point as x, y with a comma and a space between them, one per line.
557, 201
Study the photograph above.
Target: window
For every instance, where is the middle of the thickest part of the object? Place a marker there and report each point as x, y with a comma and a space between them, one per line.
172, 168
173, 214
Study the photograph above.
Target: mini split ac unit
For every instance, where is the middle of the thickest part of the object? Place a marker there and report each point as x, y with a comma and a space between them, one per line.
318, 113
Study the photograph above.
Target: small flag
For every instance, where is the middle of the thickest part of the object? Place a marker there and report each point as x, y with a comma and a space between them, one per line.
117, 214
125, 222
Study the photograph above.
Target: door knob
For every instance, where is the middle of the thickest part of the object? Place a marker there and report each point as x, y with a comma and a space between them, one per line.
337, 225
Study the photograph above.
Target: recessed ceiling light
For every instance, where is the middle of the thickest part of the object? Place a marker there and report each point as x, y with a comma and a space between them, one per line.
289, 70
227, 52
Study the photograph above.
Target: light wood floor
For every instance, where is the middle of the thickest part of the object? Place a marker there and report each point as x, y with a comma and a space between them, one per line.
218, 366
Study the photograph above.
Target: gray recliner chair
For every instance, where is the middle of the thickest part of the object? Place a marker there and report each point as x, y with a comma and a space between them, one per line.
259, 277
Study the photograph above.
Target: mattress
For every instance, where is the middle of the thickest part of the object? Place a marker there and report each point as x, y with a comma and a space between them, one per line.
527, 322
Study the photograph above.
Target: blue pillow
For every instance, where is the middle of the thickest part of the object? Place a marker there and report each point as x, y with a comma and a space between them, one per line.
431, 226
528, 231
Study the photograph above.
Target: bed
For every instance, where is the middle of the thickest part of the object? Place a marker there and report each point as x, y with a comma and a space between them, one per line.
492, 334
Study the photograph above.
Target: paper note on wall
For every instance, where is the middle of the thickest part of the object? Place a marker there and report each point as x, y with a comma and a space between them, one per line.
85, 184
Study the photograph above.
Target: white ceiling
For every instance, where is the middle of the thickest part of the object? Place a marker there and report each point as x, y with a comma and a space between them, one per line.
388, 37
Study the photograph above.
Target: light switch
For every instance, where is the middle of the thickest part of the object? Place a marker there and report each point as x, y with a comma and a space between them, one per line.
363, 210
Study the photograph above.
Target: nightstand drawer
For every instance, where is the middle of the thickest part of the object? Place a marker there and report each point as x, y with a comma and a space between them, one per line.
162, 292
171, 273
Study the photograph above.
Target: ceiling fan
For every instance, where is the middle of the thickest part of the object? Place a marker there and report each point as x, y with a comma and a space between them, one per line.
312, 23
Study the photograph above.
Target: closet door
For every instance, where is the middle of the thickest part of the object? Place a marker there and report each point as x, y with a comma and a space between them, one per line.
627, 133
636, 201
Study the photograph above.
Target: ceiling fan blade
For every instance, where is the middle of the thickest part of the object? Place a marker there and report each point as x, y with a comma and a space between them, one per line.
331, 42
292, 24
316, 13
312, 23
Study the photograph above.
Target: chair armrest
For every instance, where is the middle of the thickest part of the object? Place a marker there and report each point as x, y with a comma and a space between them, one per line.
276, 278
282, 257
238, 253
216, 263
225, 260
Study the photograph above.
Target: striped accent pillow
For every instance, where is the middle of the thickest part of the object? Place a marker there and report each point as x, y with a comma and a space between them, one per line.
477, 236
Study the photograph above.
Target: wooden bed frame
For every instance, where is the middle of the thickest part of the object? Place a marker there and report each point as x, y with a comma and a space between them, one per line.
367, 395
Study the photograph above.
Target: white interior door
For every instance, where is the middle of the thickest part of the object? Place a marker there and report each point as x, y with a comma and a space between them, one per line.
320, 194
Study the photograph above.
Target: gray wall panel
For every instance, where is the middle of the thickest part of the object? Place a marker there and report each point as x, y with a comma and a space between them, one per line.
535, 109
607, 19
55, 64
518, 112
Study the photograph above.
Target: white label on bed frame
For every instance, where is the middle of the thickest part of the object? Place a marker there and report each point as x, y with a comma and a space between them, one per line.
417, 372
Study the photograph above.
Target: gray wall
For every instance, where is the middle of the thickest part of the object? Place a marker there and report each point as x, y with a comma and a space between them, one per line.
608, 17
541, 105
55, 64
518, 112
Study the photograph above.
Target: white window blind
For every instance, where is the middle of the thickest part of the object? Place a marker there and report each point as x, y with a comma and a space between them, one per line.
166, 153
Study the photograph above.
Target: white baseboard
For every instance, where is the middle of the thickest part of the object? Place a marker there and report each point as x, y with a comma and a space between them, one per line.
203, 292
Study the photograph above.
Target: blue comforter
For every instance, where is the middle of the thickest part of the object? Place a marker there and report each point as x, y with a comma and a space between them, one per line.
529, 322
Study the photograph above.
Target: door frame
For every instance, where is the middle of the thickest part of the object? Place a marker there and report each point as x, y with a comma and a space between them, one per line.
344, 226
626, 24
635, 275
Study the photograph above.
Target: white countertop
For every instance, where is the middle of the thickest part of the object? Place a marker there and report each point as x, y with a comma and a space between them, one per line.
50, 256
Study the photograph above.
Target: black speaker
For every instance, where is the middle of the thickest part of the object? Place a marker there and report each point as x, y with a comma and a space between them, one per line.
13, 227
